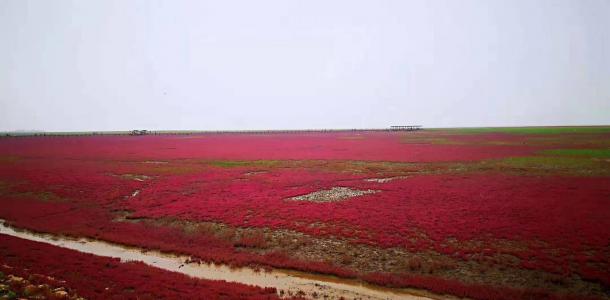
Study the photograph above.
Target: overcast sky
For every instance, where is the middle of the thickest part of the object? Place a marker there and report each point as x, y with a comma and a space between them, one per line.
113, 65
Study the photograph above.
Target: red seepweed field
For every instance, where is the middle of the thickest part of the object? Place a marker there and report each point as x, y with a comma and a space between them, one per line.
105, 278
478, 213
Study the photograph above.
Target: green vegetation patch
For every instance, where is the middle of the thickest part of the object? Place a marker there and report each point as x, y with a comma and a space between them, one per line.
429, 140
355, 137
7, 189
535, 130
340, 166
4, 186
593, 153
547, 162
9, 159
8, 294
587, 163
556, 165
244, 163
150, 168
44, 196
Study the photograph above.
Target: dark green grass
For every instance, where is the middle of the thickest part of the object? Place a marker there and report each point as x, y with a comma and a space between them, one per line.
244, 163
6, 189
547, 162
593, 153
535, 130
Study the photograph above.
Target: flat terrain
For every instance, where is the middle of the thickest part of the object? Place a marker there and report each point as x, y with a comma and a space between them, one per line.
485, 213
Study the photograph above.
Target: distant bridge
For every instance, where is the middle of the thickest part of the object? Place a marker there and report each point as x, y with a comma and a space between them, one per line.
406, 127
138, 132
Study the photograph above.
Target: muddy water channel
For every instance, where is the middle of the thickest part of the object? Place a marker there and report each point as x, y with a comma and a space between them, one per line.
324, 287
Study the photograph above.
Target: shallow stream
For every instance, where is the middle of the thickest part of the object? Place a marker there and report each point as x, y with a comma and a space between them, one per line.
291, 282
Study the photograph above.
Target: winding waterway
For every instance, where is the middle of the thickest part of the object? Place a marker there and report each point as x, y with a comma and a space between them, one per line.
290, 282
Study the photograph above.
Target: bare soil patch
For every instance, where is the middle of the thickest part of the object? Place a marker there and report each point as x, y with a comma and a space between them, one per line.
331, 195
497, 270
386, 179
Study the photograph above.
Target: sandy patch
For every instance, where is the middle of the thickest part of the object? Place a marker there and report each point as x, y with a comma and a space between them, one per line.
331, 195
384, 180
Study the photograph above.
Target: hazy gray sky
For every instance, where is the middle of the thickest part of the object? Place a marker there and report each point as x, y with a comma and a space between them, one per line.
111, 65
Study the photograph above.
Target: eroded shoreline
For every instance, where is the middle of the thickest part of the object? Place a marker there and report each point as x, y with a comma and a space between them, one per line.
288, 282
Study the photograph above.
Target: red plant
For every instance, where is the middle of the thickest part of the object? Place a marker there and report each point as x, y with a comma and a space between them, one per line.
95, 277
72, 186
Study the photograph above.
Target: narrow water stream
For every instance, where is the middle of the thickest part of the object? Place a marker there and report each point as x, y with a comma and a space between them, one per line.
325, 287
